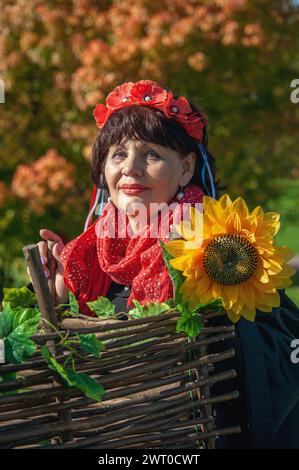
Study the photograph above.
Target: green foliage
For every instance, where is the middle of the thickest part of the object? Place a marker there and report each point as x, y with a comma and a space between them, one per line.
215, 305
149, 310
18, 347
16, 326
73, 303
176, 276
90, 344
191, 321
102, 307
83, 382
19, 297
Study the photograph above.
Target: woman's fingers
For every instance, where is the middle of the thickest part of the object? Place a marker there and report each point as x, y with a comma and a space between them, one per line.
43, 251
57, 249
47, 234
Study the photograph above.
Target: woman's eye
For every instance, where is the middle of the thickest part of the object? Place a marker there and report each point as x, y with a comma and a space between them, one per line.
152, 155
118, 155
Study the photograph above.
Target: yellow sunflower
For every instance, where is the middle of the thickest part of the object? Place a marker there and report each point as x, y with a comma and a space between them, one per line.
234, 257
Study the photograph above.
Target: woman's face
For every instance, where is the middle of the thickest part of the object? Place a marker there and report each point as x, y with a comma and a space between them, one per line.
144, 172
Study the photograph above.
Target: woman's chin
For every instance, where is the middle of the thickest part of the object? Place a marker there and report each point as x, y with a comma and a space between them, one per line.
128, 202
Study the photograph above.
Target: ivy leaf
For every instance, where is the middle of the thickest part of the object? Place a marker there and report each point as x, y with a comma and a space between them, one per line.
190, 322
26, 320
6, 320
149, 310
102, 307
83, 382
16, 325
90, 344
135, 313
89, 386
138, 311
156, 308
18, 347
215, 304
7, 378
73, 303
54, 365
176, 276
19, 297
171, 303
138, 305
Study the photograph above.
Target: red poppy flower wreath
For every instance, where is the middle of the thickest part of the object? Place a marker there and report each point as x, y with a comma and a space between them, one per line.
149, 93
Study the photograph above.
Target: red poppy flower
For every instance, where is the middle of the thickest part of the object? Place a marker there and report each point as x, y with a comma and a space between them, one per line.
177, 108
119, 96
194, 127
101, 114
147, 92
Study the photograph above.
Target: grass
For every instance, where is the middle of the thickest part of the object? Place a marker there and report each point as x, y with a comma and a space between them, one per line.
288, 208
293, 293
288, 235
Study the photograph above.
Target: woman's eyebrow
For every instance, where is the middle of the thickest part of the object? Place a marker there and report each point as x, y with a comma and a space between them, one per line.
142, 145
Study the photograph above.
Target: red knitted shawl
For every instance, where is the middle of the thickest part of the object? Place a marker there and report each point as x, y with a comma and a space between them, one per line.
92, 262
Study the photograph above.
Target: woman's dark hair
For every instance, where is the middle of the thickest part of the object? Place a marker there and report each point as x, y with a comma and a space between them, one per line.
150, 125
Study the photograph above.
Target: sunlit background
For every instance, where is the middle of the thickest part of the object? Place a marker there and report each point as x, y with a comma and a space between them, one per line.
236, 59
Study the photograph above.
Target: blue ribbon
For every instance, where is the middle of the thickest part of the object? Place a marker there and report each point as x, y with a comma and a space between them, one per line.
100, 210
205, 167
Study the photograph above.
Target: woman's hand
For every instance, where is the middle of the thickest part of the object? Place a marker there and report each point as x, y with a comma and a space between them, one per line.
61, 291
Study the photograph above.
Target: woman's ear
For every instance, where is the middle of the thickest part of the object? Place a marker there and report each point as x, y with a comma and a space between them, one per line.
188, 164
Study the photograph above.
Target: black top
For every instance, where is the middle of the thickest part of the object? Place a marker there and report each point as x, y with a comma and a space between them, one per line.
118, 294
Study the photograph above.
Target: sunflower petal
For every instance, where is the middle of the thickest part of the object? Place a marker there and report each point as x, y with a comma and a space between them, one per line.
240, 206
175, 247
185, 230
249, 313
180, 263
234, 318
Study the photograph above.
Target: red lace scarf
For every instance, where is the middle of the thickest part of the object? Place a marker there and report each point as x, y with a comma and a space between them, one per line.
92, 262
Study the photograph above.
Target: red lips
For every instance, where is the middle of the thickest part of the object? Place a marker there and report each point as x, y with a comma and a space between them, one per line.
133, 188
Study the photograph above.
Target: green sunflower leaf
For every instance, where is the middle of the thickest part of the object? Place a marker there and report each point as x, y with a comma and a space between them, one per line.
176, 276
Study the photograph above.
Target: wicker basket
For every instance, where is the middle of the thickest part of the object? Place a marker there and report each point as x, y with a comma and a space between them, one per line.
157, 385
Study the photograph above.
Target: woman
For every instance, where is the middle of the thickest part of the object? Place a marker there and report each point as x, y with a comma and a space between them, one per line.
152, 149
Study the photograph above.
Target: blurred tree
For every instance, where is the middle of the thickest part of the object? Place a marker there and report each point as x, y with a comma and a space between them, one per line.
234, 58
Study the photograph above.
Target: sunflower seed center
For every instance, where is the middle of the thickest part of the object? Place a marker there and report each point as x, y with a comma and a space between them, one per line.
230, 259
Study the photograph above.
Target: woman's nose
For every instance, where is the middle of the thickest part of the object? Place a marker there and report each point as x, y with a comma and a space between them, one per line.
132, 167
